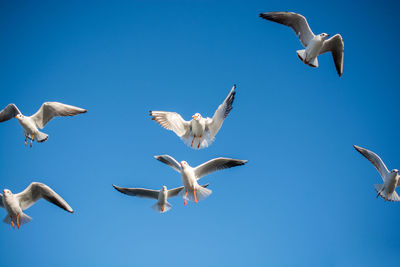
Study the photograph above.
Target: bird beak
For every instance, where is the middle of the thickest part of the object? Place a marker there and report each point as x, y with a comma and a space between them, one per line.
4, 192
194, 117
15, 117
328, 35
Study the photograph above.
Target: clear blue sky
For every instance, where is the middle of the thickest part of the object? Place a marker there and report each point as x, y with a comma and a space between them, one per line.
305, 198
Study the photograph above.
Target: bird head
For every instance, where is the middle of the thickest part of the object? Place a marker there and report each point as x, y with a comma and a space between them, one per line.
196, 116
324, 35
184, 164
164, 188
6, 192
19, 116
395, 171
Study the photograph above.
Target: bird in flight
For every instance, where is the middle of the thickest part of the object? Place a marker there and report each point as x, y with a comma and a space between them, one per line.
391, 179
199, 132
162, 205
315, 45
16, 203
47, 111
193, 191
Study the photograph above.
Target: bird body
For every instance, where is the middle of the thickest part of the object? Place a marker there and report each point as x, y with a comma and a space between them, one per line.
31, 130
312, 51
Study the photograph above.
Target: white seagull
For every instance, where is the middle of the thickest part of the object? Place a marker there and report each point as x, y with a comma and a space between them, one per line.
16, 203
390, 179
162, 205
47, 111
199, 132
315, 44
193, 191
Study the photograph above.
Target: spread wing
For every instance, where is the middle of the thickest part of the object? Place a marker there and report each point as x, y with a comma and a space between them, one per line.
9, 112
50, 110
1, 201
215, 165
36, 191
138, 192
170, 161
171, 121
374, 159
295, 21
336, 46
213, 125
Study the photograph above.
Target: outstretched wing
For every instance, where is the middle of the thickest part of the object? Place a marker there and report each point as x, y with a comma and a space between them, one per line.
171, 121
374, 159
170, 161
336, 46
295, 21
9, 112
36, 191
49, 110
138, 192
215, 165
213, 125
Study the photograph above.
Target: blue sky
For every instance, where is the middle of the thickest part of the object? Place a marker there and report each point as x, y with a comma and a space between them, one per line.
305, 198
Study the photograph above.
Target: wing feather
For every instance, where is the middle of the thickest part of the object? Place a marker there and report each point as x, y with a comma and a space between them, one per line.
374, 159
336, 46
171, 121
9, 112
138, 192
170, 161
215, 165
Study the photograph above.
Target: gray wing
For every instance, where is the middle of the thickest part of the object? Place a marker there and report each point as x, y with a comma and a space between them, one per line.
36, 191
170, 161
1, 201
215, 165
9, 112
174, 192
213, 125
50, 110
171, 121
296, 21
138, 192
336, 46
374, 159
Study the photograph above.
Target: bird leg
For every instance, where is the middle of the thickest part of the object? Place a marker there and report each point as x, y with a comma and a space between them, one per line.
12, 223
387, 197
162, 208
18, 221
194, 193
185, 202
26, 137
193, 140
378, 194
198, 146
33, 136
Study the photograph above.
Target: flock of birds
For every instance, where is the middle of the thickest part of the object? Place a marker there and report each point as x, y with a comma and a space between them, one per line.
197, 133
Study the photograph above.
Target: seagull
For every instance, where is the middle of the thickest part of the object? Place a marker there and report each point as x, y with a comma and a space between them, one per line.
199, 132
390, 179
16, 203
162, 205
193, 191
315, 44
47, 111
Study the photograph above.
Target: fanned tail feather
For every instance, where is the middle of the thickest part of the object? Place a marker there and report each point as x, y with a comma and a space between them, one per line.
41, 137
205, 141
159, 208
201, 193
391, 197
23, 219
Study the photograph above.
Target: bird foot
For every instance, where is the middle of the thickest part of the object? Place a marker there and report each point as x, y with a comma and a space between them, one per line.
18, 221
13, 225
194, 193
185, 202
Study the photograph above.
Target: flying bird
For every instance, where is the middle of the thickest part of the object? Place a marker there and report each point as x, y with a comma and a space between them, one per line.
315, 44
390, 179
193, 191
198, 132
16, 203
47, 111
162, 205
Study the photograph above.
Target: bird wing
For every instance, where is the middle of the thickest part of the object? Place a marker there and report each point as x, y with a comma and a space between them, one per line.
170, 161
174, 192
36, 191
9, 112
215, 165
138, 192
49, 110
1, 201
374, 159
213, 125
295, 21
336, 46
171, 121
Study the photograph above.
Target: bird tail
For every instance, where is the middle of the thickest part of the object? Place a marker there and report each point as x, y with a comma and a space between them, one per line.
198, 143
392, 197
302, 55
201, 193
23, 219
162, 208
41, 137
